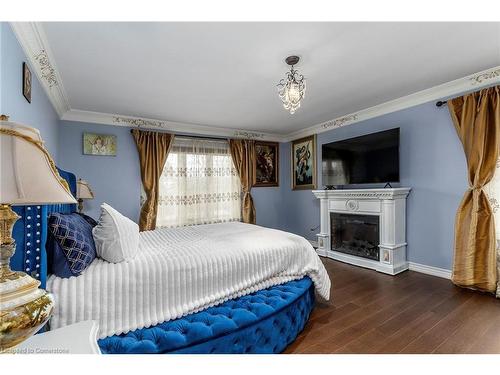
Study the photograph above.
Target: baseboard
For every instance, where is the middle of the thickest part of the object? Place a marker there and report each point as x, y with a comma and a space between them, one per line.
429, 270
412, 266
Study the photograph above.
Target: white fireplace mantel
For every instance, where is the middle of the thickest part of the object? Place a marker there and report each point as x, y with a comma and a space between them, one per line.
389, 204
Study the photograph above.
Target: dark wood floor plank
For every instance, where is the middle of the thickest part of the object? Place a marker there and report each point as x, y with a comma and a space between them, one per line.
409, 313
349, 327
471, 331
371, 341
489, 341
430, 340
422, 324
371, 321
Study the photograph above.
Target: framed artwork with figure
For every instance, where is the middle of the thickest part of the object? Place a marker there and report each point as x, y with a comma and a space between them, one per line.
26, 82
304, 163
266, 164
99, 144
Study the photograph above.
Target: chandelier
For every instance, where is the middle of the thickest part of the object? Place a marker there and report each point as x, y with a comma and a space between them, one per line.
292, 89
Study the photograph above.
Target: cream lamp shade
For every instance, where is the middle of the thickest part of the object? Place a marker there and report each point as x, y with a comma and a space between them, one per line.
83, 190
27, 172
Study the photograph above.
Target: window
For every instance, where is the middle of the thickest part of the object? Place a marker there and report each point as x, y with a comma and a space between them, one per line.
199, 184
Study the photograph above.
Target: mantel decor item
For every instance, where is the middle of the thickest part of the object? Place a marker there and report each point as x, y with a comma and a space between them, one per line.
304, 163
266, 164
292, 88
28, 176
83, 191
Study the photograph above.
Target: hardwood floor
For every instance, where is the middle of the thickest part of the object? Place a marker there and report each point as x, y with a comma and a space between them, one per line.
370, 312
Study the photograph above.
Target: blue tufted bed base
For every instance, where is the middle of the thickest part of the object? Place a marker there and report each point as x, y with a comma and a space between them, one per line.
266, 321
263, 322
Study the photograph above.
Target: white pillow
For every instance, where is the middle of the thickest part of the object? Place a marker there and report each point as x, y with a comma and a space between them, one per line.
116, 237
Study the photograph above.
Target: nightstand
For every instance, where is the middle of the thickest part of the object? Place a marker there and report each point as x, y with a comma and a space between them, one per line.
78, 338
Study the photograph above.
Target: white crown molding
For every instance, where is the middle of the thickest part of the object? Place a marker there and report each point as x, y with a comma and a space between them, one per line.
430, 270
171, 126
472, 82
34, 43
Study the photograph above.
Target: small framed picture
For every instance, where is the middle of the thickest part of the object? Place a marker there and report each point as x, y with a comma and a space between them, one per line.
266, 164
99, 144
26, 82
304, 163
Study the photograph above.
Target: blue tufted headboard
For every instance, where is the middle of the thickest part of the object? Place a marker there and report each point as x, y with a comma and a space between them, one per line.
30, 233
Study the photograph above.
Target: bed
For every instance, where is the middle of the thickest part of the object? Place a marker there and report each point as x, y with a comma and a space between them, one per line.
220, 288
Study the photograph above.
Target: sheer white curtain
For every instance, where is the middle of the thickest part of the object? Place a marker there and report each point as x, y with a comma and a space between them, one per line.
199, 184
493, 192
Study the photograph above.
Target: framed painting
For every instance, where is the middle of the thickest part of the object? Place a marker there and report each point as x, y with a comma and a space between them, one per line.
266, 164
304, 163
99, 144
26, 82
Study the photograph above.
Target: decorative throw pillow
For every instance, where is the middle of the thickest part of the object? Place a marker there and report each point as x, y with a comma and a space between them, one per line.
70, 245
116, 236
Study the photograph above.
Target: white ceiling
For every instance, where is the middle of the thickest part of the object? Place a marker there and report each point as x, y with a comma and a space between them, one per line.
224, 74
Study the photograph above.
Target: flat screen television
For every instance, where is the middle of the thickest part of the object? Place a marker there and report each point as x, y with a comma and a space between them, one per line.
369, 159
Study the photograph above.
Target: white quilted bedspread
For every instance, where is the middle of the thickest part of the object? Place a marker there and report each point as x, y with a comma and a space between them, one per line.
181, 271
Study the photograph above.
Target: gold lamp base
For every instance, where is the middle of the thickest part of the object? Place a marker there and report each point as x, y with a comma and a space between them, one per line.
24, 308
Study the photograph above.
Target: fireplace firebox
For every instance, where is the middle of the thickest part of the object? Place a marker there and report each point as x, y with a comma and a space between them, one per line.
355, 234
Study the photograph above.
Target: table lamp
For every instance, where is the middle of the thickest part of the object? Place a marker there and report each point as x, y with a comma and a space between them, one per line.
83, 191
28, 176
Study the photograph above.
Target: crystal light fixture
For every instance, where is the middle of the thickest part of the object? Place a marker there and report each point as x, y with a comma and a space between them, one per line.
292, 89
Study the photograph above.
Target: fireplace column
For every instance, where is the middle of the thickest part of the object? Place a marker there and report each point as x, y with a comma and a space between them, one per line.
324, 235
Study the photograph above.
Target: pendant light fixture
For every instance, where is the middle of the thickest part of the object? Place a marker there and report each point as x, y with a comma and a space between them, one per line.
292, 88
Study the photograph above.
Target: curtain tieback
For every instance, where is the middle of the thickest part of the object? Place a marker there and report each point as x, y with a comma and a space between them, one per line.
476, 192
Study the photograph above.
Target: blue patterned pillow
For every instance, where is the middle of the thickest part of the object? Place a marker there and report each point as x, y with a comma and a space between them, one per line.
71, 246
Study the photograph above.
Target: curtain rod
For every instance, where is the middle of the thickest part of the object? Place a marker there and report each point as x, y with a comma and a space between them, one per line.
440, 103
194, 136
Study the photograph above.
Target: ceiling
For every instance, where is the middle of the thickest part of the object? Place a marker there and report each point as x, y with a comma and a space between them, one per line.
225, 74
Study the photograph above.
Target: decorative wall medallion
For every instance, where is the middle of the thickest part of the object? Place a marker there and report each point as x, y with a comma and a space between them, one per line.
249, 135
480, 78
47, 71
337, 123
352, 205
139, 122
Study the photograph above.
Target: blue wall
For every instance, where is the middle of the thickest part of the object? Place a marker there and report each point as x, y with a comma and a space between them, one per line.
432, 163
39, 114
115, 180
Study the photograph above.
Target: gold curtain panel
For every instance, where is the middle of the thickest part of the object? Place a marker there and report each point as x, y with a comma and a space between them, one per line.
243, 154
477, 120
153, 150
